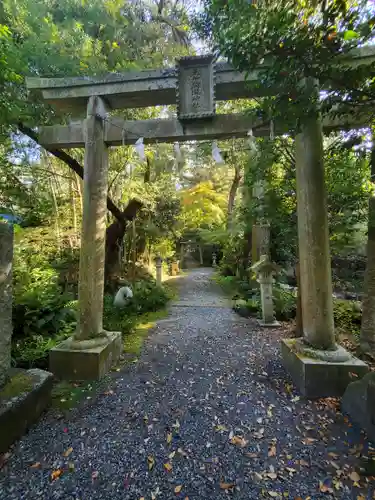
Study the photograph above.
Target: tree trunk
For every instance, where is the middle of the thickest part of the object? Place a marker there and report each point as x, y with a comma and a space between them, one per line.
114, 237
367, 338
232, 194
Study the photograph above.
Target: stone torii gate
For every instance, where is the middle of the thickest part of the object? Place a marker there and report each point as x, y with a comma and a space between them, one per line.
194, 85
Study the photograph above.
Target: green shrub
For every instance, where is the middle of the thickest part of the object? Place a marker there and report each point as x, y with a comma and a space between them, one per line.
285, 303
39, 306
147, 297
347, 315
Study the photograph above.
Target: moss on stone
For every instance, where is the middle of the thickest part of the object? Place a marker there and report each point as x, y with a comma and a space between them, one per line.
18, 384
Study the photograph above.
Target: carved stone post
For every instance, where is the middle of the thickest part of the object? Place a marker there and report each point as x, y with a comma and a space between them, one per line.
265, 269
6, 260
313, 238
200, 255
89, 354
159, 270
92, 258
318, 366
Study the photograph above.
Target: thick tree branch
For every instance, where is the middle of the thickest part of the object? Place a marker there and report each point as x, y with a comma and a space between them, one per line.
73, 164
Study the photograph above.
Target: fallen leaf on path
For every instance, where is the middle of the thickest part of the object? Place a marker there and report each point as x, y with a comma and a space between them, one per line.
259, 434
67, 452
308, 440
56, 473
333, 455
304, 463
150, 462
272, 451
94, 475
169, 437
272, 475
36, 465
71, 467
354, 476
273, 494
325, 486
171, 455
220, 428
239, 441
227, 486
168, 467
178, 488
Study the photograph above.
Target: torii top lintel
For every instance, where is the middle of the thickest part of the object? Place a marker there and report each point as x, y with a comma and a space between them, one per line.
140, 89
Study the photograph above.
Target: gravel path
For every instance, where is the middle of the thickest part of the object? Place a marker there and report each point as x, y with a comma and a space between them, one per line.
206, 413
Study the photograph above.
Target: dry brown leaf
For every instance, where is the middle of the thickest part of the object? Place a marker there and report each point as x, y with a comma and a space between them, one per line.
355, 477
168, 467
252, 455
308, 440
56, 473
227, 486
273, 494
67, 452
324, 487
238, 441
220, 428
169, 437
272, 451
272, 475
333, 455
178, 488
36, 465
304, 463
360, 497
150, 462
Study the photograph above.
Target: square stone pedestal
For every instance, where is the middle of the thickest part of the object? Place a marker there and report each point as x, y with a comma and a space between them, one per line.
319, 379
85, 364
23, 398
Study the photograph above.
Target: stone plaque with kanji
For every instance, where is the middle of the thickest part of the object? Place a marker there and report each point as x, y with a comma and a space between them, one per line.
196, 88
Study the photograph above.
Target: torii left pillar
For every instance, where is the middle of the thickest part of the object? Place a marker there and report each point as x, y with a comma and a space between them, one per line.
91, 351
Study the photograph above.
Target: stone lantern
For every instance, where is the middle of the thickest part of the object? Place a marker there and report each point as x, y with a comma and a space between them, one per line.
265, 269
158, 265
214, 256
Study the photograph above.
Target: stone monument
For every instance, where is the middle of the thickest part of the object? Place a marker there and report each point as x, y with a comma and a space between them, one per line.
24, 394
265, 270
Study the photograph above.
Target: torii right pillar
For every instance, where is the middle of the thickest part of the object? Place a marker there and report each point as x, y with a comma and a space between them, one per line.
319, 367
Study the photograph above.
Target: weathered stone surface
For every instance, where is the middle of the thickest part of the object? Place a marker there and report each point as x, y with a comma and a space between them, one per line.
359, 403
85, 364
22, 400
318, 379
196, 88
155, 87
6, 261
92, 256
313, 238
118, 131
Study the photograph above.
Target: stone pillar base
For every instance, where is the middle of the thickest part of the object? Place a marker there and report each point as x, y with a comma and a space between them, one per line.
22, 400
269, 324
67, 362
316, 378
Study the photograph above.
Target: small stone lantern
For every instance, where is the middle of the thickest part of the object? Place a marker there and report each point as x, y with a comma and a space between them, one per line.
214, 264
265, 269
158, 265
